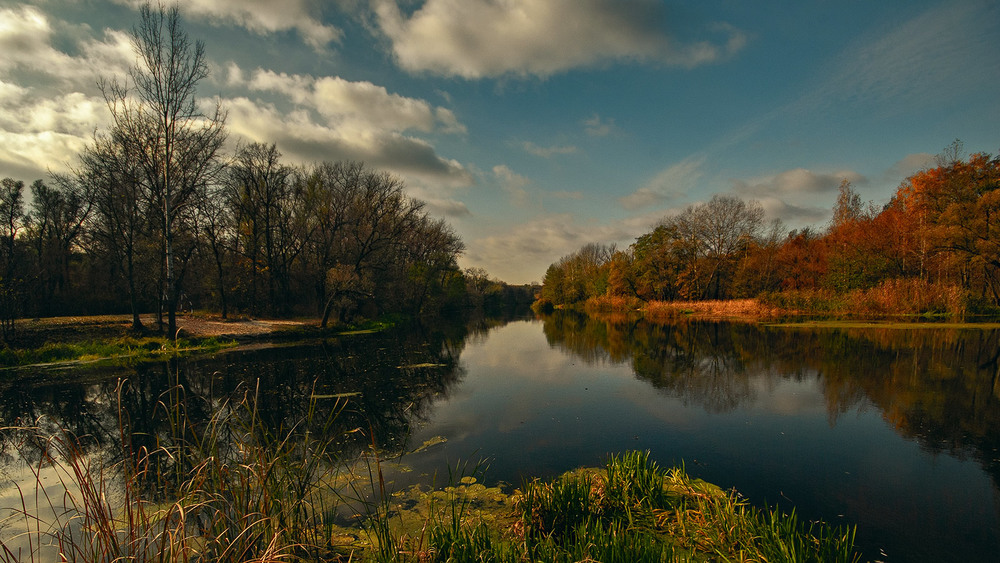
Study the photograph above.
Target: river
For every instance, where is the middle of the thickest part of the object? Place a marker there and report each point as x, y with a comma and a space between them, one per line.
895, 431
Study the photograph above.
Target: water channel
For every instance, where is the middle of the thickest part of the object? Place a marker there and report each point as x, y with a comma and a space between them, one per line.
896, 431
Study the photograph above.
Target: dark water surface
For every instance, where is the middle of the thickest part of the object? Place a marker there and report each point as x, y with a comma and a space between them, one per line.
895, 431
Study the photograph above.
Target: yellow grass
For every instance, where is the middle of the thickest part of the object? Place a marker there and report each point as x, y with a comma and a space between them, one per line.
749, 309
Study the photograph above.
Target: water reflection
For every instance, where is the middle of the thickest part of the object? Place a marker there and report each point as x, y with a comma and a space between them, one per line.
940, 387
825, 420
392, 379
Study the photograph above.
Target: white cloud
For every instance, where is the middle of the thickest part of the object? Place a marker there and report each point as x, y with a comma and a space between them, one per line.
596, 126
303, 139
26, 37
479, 38
263, 17
444, 207
512, 183
673, 182
49, 103
330, 118
547, 152
355, 106
794, 215
796, 182
910, 165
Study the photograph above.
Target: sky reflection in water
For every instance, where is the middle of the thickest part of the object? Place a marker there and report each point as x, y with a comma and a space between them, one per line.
896, 432
531, 407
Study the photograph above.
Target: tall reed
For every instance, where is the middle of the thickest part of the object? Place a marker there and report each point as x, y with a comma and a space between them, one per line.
231, 489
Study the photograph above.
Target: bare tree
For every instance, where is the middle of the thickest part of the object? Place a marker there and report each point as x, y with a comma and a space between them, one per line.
11, 222
54, 227
155, 115
119, 228
259, 194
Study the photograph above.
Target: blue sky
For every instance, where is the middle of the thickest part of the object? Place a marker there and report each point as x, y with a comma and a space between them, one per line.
537, 126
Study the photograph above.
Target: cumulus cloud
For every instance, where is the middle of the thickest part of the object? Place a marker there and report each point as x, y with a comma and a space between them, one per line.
49, 104
330, 118
304, 139
356, 106
486, 38
26, 35
673, 182
797, 181
910, 165
445, 207
263, 17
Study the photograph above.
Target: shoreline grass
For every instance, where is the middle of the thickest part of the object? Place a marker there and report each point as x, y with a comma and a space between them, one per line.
120, 349
238, 489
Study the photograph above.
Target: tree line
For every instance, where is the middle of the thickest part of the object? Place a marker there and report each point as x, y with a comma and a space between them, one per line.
940, 232
155, 218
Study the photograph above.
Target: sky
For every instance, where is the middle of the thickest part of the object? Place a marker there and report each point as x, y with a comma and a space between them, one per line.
534, 127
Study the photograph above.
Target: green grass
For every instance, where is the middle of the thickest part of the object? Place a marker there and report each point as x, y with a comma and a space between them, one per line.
118, 349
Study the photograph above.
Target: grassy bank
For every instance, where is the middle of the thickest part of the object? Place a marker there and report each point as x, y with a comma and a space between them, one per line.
119, 349
110, 338
235, 489
901, 300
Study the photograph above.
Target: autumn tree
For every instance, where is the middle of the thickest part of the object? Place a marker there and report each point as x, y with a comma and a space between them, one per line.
956, 214
709, 239
801, 261
857, 253
658, 260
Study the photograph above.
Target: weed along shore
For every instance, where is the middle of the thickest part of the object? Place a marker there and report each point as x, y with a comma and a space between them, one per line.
81, 340
234, 490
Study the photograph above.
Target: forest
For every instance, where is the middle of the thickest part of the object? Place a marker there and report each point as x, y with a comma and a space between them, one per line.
155, 217
934, 248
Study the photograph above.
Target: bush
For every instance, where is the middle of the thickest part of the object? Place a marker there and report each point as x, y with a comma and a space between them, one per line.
612, 304
543, 306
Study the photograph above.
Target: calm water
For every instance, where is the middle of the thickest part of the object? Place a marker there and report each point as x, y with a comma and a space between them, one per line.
896, 432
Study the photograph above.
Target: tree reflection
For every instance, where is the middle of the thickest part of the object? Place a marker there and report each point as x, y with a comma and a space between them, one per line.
939, 387
390, 380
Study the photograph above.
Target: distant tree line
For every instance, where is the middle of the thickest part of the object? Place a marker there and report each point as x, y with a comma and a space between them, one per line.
941, 229
156, 219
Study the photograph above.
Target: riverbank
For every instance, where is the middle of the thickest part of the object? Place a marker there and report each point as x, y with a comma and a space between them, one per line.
86, 339
899, 301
